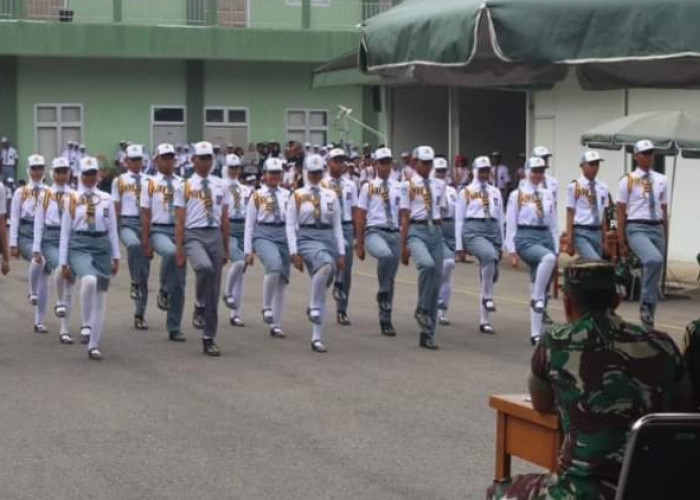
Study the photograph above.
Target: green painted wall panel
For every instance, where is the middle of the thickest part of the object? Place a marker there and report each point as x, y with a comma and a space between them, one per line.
155, 11
92, 11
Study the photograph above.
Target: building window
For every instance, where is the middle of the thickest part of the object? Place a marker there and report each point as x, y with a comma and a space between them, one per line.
55, 125
307, 125
168, 124
315, 3
224, 126
168, 115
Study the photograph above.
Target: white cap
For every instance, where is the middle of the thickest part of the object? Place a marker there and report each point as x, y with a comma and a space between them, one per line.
541, 152
405, 154
383, 154
273, 165
4, 139
330, 146
643, 146
229, 145
134, 152
203, 148
233, 161
59, 162
424, 153
440, 164
88, 164
82, 146
337, 153
250, 178
536, 162
307, 145
481, 162
36, 161
165, 149
591, 157
314, 163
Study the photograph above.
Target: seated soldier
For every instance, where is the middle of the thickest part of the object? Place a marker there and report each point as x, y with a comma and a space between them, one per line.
691, 348
600, 374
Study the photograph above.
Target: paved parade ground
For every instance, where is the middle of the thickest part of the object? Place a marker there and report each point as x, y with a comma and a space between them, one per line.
374, 418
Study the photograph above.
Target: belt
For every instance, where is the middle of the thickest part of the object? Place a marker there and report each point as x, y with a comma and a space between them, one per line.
447, 219
314, 226
130, 216
203, 228
52, 228
273, 224
587, 226
384, 229
158, 224
536, 228
26, 221
644, 222
437, 222
479, 219
347, 222
92, 234
238, 221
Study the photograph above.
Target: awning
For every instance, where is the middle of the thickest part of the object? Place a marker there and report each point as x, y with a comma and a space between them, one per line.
342, 71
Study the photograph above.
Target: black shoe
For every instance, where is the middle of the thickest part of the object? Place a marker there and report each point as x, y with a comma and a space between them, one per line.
343, 319
65, 338
534, 340
210, 348
277, 332
317, 346
198, 318
95, 354
489, 305
384, 302
177, 337
388, 329
236, 321
40, 328
338, 293
134, 292
424, 321
428, 343
163, 301
538, 307
140, 323
486, 328
646, 316
85, 332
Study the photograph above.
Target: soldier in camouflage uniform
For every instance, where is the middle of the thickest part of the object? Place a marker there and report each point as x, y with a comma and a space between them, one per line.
600, 374
691, 352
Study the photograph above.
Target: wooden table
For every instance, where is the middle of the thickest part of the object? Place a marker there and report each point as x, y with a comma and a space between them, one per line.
524, 433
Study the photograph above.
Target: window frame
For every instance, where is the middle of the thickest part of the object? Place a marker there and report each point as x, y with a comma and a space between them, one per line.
59, 124
306, 128
226, 110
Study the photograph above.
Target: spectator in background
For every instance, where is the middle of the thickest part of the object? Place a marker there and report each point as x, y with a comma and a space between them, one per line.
119, 158
105, 177
501, 174
4, 245
8, 159
219, 161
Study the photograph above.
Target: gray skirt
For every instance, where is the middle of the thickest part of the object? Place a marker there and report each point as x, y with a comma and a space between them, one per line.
50, 241
131, 223
91, 256
482, 238
317, 247
532, 245
235, 246
448, 238
270, 245
25, 239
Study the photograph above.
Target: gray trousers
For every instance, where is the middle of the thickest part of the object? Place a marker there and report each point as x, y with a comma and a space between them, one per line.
425, 244
648, 243
9, 171
172, 278
386, 248
204, 249
343, 279
139, 264
588, 243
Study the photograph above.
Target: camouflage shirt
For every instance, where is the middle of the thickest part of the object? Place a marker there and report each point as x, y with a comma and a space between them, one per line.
605, 374
691, 352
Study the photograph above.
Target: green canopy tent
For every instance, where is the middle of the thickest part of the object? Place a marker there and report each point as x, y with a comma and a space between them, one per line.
612, 43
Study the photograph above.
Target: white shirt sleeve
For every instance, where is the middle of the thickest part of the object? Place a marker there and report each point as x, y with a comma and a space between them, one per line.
113, 233
623, 191
511, 222
363, 198
460, 209
554, 228
571, 195
291, 225
14, 217
39, 216
145, 201
353, 197
405, 203
179, 195
116, 197
663, 195
501, 217
338, 227
250, 221
66, 226
3, 200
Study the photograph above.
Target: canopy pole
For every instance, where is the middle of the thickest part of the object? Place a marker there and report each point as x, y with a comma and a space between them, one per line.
452, 124
668, 222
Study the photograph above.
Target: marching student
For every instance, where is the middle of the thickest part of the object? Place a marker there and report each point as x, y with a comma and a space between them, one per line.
4, 245
346, 192
378, 231
126, 194
421, 201
89, 250
317, 242
447, 213
265, 236
532, 235
586, 202
47, 236
158, 235
240, 195
25, 203
642, 224
479, 231
202, 235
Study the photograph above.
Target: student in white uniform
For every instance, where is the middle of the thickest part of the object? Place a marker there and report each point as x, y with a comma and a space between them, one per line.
89, 251
25, 203
378, 231
548, 182
315, 235
265, 236
47, 236
158, 235
8, 159
126, 194
4, 245
346, 192
532, 235
642, 224
240, 196
447, 214
586, 202
202, 234
479, 222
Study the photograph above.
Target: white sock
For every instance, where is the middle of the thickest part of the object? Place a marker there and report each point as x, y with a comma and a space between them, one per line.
35, 271
88, 287
234, 278
68, 303
319, 283
543, 277
317, 331
278, 304
448, 267
238, 290
269, 286
98, 318
488, 271
535, 324
42, 291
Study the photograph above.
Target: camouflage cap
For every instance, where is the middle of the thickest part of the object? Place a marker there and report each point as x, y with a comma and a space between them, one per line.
590, 276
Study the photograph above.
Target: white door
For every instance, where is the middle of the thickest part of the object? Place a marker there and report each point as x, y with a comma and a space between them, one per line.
238, 136
174, 134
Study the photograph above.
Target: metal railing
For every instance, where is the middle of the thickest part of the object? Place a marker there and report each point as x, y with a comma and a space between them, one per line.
270, 14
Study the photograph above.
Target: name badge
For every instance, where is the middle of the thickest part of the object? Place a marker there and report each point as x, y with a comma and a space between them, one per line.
330, 206
105, 213
219, 199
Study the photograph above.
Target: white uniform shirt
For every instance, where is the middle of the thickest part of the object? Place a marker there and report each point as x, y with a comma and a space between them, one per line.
126, 189
523, 210
413, 198
8, 157
158, 197
549, 183
373, 198
635, 191
501, 176
367, 174
193, 198
77, 217
581, 198
3, 199
472, 205
447, 211
25, 202
261, 209
240, 196
50, 211
302, 210
346, 192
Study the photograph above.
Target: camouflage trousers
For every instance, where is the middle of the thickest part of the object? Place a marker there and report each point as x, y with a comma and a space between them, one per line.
550, 487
